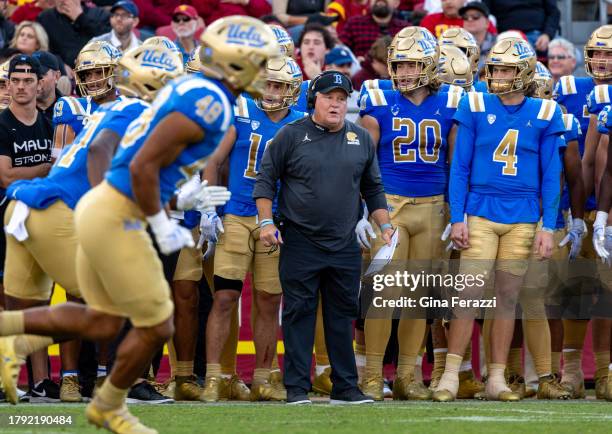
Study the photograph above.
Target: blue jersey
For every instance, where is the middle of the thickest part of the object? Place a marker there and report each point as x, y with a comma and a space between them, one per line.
506, 158
598, 98
302, 102
572, 133
206, 102
377, 83
604, 120
412, 150
68, 180
74, 112
254, 131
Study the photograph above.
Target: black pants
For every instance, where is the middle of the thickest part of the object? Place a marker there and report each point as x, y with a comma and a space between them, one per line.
305, 269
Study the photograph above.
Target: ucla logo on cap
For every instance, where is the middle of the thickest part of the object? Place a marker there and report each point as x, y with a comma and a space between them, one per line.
244, 35
158, 59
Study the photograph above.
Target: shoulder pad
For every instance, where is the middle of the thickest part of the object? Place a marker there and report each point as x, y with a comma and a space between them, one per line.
476, 100
454, 96
371, 84
241, 108
547, 109
377, 97
568, 85
568, 120
601, 93
67, 106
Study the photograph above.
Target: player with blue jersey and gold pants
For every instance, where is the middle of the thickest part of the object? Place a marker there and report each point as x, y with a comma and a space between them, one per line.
239, 249
412, 126
119, 272
503, 139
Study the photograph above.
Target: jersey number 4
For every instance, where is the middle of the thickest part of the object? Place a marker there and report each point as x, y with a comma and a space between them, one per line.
506, 153
255, 141
409, 155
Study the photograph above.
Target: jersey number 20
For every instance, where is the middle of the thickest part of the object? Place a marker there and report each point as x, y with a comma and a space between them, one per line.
409, 156
506, 153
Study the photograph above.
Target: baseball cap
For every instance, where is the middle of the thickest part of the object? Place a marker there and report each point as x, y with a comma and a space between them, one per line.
47, 61
33, 67
479, 6
338, 56
128, 5
187, 10
330, 80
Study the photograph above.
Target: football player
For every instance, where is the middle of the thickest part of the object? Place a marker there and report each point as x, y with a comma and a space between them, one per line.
413, 128
43, 209
502, 140
5, 98
238, 248
602, 229
93, 71
462, 39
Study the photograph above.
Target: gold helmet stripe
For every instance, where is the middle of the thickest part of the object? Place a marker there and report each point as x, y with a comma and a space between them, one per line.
476, 100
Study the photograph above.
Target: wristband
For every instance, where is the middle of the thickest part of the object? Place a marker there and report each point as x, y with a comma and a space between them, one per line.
385, 226
266, 222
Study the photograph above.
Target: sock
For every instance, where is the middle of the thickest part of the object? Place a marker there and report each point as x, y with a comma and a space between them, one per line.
418, 369
70, 373
261, 375
184, 368
574, 332
514, 362
27, 344
360, 360
319, 369
439, 361
228, 354
555, 362
213, 369
465, 366
410, 338
12, 323
321, 357
602, 359
467, 357
377, 332
572, 366
537, 337
101, 371
450, 378
496, 383
275, 366
109, 397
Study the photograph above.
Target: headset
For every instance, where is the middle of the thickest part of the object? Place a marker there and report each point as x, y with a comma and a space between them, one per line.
310, 96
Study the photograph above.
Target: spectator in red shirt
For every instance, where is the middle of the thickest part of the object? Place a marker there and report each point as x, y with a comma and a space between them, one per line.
314, 43
375, 64
346, 9
155, 13
29, 11
359, 33
210, 10
449, 17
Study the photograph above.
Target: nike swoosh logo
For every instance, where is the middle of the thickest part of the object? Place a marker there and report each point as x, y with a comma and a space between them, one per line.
43, 394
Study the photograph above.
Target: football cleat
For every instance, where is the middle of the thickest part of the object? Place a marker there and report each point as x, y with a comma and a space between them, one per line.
516, 383
549, 388
98, 55
577, 391
505, 396
10, 365
119, 420
322, 383
236, 49
515, 53
600, 387
469, 386
185, 390
406, 388
212, 389
373, 386
608, 395
266, 391
442, 395
234, 389
70, 391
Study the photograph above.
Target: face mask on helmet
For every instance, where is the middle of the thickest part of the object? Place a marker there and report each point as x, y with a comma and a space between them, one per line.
544, 82
94, 69
598, 53
412, 64
282, 86
510, 66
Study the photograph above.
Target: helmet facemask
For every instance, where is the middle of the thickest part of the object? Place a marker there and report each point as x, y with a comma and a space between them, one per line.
599, 68
95, 87
409, 82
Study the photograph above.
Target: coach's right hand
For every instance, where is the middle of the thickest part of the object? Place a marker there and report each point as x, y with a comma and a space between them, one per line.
270, 235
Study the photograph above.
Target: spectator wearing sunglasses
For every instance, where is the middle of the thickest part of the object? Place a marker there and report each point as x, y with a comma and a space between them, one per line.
561, 58
475, 17
184, 25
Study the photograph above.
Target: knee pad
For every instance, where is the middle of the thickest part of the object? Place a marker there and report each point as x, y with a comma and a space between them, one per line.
223, 283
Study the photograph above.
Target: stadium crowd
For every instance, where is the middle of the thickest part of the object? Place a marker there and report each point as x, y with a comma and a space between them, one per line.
492, 154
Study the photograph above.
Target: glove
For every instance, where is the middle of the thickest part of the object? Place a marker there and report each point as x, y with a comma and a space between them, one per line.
210, 250
169, 235
210, 227
608, 245
196, 195
363, 230
599, 235
577, 231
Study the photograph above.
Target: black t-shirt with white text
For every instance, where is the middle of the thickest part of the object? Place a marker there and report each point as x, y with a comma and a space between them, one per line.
25, 145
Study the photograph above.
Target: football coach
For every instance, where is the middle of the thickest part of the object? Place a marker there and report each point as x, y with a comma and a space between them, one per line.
325, 166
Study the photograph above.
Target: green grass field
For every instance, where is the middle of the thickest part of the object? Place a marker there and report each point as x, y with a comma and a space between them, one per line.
529, 416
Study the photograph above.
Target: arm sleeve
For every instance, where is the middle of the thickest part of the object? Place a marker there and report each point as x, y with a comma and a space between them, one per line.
372, 188
550, 167
93, 22
272, 165
553, 15
460, 172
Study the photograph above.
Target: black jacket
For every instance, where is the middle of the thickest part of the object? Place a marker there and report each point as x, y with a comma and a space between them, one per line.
7, 30
526, 15
67, 38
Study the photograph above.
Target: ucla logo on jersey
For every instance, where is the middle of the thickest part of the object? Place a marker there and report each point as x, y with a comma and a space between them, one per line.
395, 109
158, 60
255, 125
240, 35
352, 139
491, 118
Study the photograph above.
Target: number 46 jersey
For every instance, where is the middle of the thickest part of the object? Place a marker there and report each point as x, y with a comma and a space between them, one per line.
412, 150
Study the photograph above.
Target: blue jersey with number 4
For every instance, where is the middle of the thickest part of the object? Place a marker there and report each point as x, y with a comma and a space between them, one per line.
206, 102
506, 158
254, 130
412, 150
68, 180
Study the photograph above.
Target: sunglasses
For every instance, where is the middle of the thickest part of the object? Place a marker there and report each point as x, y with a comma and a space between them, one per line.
475, 17
558, 57
181, 19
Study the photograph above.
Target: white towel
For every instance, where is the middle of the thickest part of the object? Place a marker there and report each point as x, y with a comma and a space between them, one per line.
16, 226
